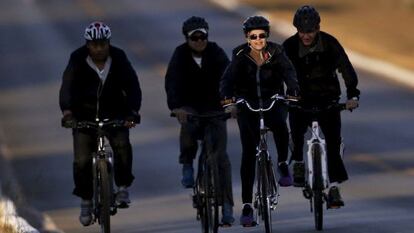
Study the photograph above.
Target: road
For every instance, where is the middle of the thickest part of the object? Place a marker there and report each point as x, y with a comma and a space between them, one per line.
37, 37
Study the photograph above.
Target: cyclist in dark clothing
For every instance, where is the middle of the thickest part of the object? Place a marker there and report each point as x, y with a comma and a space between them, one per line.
192, 86
99, 82
259, 69
317, 56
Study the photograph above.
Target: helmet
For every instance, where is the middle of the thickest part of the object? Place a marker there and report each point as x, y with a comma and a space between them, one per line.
256, 22
306, 19
97, 31
194, 23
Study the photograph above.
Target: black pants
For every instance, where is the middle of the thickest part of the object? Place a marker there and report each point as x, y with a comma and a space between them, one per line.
85, 144
248, 123
330, 124
213, 133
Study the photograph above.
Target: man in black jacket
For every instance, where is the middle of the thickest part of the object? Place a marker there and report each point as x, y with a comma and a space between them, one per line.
192, 86
99, 82
259, 69
317, 56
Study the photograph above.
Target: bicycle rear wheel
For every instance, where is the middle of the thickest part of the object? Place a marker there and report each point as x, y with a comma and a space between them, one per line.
318, 187
265, 193
104, 196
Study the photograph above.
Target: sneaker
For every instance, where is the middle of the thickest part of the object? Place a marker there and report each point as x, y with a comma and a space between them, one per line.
247, 219
285, 179
227, 211
299, 174
188, 176
122, 198
85, 216
334, 198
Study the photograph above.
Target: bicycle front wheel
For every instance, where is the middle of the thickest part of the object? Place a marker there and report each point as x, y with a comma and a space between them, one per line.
265, 193
318, 187
104, 196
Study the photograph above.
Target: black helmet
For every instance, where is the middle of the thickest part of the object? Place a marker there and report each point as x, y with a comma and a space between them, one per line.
306, 19
256, 22
194, 23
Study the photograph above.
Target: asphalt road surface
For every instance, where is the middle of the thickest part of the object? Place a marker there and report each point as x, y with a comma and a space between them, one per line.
36, 39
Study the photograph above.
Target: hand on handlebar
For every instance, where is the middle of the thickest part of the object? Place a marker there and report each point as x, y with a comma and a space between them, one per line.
352, 104
182, 114
67, 120
232, 109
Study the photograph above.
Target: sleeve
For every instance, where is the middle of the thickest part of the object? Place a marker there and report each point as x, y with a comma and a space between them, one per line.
227, 82
132, 87
347, 70
173, 82
288, 73
65, 92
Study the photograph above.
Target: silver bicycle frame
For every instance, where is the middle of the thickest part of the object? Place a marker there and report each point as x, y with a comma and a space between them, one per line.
313, 141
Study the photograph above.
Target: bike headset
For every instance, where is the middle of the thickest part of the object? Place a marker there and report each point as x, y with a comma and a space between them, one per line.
193, 24
256, 22
97, 31
306, 19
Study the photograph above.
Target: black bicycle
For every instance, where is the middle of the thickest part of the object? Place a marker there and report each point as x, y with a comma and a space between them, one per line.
102, 169
317, 180
206, 192
267, 189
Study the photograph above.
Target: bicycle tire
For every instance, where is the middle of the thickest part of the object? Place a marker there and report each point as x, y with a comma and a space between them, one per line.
318, 187
104, 196
212, 200
265, 194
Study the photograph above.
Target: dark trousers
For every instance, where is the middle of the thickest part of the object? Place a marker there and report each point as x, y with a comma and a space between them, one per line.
213, 134
85, 143
330, 124
248, 123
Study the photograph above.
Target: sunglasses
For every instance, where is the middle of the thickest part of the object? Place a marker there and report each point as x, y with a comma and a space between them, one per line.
199, 37
258, 37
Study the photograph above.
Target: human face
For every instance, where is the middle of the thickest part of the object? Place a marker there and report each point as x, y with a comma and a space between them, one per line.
197, 41
308, 38
257, 39
98, 50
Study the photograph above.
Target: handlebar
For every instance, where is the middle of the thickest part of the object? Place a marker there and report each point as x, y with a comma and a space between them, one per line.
316, 109
99, 124
193, 116
273, 99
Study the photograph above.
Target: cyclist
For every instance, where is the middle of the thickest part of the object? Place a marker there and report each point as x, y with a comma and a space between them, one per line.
259, 64
317, 56
99, 81
192, 86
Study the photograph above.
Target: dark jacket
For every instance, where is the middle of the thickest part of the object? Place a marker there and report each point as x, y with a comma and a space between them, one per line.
189, 85
119, 97
239, 79
316, 68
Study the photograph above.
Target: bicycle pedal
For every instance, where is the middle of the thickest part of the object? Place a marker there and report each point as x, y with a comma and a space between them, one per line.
123, 205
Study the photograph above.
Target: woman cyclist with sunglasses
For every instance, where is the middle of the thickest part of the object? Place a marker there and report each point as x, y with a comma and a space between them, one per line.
258, 70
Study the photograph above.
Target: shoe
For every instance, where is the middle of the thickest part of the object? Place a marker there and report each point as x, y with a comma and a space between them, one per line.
122, 198
299, 174
285, 179
227, 211
85, 216
247, 219
188, 176
334, 198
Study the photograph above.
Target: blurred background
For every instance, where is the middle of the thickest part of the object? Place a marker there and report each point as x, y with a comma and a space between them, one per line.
37, 37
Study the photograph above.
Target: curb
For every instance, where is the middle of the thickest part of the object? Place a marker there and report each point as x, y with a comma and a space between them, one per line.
284, 28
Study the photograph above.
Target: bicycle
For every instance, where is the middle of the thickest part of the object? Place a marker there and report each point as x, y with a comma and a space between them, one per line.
267, 189
317, 180
102, 169
206, 191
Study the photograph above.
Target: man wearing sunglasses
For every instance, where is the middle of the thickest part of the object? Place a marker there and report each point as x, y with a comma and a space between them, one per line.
259, 69
192, 86
317, 56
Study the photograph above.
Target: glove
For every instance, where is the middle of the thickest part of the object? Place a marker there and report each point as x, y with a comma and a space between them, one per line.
352, 104
132, 120
67, 120
232, 109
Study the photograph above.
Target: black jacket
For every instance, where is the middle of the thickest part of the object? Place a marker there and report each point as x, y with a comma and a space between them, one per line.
189, 85
316, 69
120, 95
239, 79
